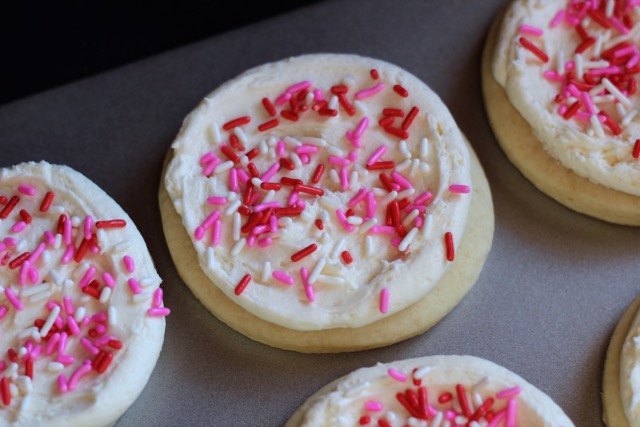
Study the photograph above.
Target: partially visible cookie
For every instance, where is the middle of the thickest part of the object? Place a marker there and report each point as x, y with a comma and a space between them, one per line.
621, 389
326, 203
81, 312
430, 391
559, 83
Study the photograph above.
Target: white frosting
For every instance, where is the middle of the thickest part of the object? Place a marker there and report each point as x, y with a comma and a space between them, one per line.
591, 151
433, 157
630, 374
348, 399
98, 399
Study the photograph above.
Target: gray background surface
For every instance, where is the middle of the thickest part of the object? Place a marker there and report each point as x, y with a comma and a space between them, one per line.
553, 287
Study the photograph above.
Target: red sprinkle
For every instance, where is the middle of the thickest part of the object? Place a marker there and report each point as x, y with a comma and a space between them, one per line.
364, 420
271, 186
319, 224
17, 261
244, 210
46, 202
346, 105
253, 170
304, 252
309, 189
269, 107
81, 250
236, 122
268, 125
412, 115
374, 74
105, 362
25, 216
287, 163
533, 49
572, 110
585, 45
287, 211
346, 257
400, 133
3, 200
317, 174
389, 164
400, 91
328, 112
385, 121
28, 368
339, 89
248, 194
89, 290
289, 115
394, 112
636, 149
234, 141
285, 180
6, 392
462, 398
113, 223
9, 207
115, 344
242, 284
253, 220
448, 239
251, 154
230, 154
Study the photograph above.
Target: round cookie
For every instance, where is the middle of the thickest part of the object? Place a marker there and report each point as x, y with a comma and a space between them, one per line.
544, 124
619, 385
356, 232
81, 313
433, 391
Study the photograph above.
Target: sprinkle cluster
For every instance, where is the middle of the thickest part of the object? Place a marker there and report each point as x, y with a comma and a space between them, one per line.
460, 406
596, 78
58, 293
263, 197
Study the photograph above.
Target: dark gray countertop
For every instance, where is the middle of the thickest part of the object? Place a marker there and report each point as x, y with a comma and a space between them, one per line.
546, 302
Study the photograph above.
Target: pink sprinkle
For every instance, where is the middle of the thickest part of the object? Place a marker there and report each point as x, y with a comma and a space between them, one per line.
198, 233
382, 229
129, 264
283, 277
215, 233
459, 188
51, 344
27, 190
344, 179
86, 278
377, 154
619, 25
573, 90
634, 60
308, 289
373, 406
588, 103
242, 176
263, 243
528, 29
343, 221
293, 198
233, 180
258, 230
384, 307
424, 198
19, 226
100, 328
84, 369
419, 208
157, 298
450, 415
401, 180
338, 161
419, 222
317, 95
62, 345
211, 166
498, 418
100, 317
88, 345
215, 200
352, 156
208, 222
33, 275
37, 252
65, 359
307, 149
512, 408
104, 340
304, 158
298, 86
24, 272
397, 375
10, 241
606, 70
625, 51
66, 234
108, 279
360, 195
73, 326
371, 205
395, 242
3, 311
159, 311
68, 255
207, 157
251, 240
270, 172
508, 393
88, 223
365, 93
285, 97
552, 75
273, 223
134, 286
62, 384
352, 139
280, 149
362, 126
264, 206
13, 299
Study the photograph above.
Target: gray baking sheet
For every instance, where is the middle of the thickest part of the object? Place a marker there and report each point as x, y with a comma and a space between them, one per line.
553, 287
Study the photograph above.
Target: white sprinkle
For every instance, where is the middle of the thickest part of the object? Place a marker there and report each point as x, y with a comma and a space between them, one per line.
409, 218
317, 269
263, 147
437, 419
329, 203
24, 383
603, 99
75, 221
232, 196
354, 220
402, 166
14, 389
266, 271
426, 227
296, 160
272, 141
10, 370
621, 110
379, 192
210, 257
615, 92
269, 196
360, 107
142, 297
608, 11
367, 225
233, 207
406, 193
424, 147
333, 102
595, 64
122, 246
470, 402
404, 244
235, 250
244, 161
425, 167
627, 119
560, 62
368, 242
53, 314
309, 98
335, 151
112, 315
460, 420
315, 141
420, 373
331, 280
146, 281
215, 132
480, 385
57, 209
22, 351
414, 166
56, 277
241, 135
40, 296
362, 171
27, 292
236, 226
272, 153
333, 174
46, 256
55, 367
21, 246
597, 127
28, 332
324, 216
338, 248
325, 238
403, 149
292, 141
58, 241
577, 60
223, 167
597, 47
285, 221
353, 179
477, 399
105, 295
68, 283
79, 314
391, 196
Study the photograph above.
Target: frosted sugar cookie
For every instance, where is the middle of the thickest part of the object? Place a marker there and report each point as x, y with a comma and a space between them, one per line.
81, 314
430, 391
559, 81
326, 203
620, 386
